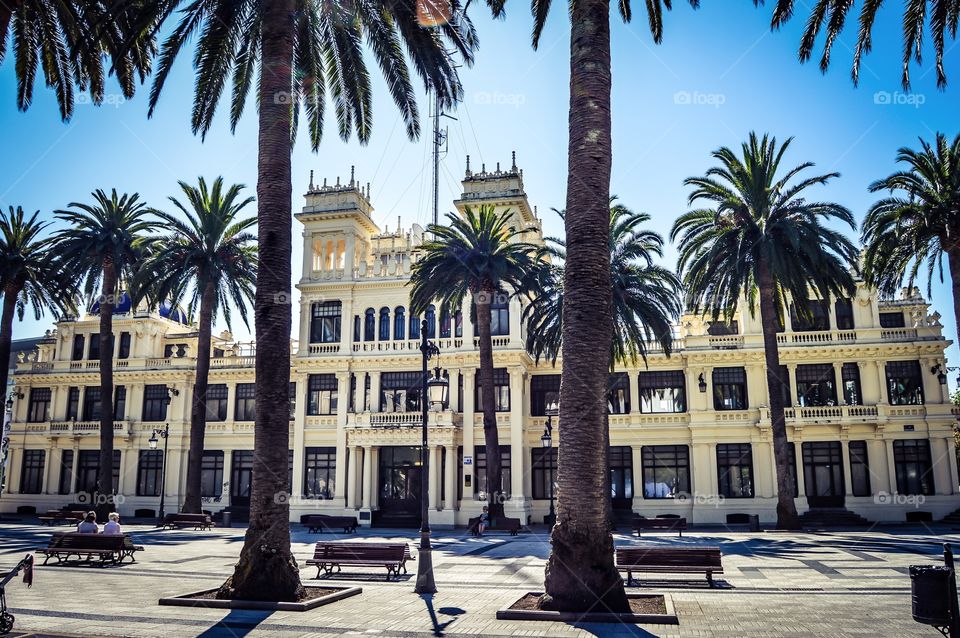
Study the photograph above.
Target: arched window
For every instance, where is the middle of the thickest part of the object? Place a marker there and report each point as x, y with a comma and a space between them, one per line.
414, 326
325, 322
384, 324
500, 316
399, 323
370, 325
444, 324
356, 327
431, 317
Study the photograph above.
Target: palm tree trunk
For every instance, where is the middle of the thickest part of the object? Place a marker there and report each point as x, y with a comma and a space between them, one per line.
10, 295
108, 290
198, 412
580, 574
487, 405
267, 569
953, 257
786, 507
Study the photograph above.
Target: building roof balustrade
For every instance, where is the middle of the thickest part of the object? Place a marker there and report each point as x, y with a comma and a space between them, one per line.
55, 429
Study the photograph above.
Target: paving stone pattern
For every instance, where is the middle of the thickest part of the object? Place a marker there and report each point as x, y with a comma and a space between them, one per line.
774, 584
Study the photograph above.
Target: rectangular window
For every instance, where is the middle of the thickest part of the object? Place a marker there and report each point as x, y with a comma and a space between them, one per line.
621, 472
729, 389
904, 383
292, 398
735, 470
543, 467
149, 470
722, 328
542, 385
91, 403
843, 309
245, 405
500, 316
77, 354
73, 404
88, 467
119, 402
325, 322
155, 399
217, 396
94, 353
785, 386
816, 385
851, 384
31, 474
320, 471
618, 393
66, 472
480, 472
662, 392
322, 394
39, 407
666, 470
124, 350
859, 469
501, 391
892, 320
211, 474
400, 391
816, 317
911, 457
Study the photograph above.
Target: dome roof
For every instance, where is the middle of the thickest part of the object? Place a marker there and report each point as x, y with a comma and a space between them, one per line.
124, 305
167, 311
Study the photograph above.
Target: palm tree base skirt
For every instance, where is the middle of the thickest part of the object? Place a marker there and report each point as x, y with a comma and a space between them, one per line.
262, 574
593, 584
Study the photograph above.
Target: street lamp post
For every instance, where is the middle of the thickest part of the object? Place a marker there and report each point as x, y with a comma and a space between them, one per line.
552, 410
152, 441
433, 393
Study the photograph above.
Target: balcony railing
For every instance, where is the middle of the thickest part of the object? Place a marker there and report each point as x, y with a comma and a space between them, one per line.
81, 428
402, 419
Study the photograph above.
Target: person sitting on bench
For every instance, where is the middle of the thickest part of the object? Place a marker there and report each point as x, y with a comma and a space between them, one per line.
484, 519
89, 524
112, 526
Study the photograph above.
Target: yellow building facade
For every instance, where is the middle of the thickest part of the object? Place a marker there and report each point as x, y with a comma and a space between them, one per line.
869, 419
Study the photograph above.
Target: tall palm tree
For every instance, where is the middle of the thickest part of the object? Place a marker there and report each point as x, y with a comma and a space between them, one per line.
580, 573
480, 255
30, 275
209, 259
760, 237
102, 244
296, 51
919, 223
70, 41
646, 297
938, 18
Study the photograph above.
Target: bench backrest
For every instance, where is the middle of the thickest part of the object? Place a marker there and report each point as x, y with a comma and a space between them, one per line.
186, 518
660, 522
332, 521
74, 540
359, 551
666, 556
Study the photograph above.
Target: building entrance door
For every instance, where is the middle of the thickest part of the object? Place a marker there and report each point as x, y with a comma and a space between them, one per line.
823, 473
399, 487
240, 472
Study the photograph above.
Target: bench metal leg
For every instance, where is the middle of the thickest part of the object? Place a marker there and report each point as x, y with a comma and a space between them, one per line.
710, 578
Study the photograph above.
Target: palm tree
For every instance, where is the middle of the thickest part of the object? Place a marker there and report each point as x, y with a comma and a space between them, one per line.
580, 574
646, 297
211, 260
915, 228
936, 17
296, 51
30, 275
479, 255
760, 236
102, 245
70, 41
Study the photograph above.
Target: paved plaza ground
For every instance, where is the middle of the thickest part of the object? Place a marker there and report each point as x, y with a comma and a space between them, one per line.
775, 584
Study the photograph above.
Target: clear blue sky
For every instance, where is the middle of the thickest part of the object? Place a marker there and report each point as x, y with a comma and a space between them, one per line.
723, 60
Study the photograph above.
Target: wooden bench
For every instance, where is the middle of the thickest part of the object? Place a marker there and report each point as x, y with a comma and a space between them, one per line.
53, 517
327, 556
318, 523
107, 548
659, 524
669, 560
499, 524
196, 521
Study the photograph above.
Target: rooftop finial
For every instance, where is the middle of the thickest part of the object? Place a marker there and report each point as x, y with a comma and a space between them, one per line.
483, 168
498, 167
324, 182
468, 166
513, 156
351, 175
368, 190
338, 181
311, 180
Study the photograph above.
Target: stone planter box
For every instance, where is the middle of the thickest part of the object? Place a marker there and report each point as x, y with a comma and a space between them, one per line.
669, 618
194, 599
